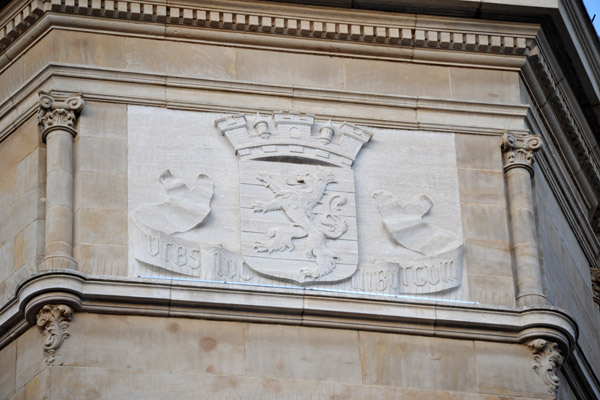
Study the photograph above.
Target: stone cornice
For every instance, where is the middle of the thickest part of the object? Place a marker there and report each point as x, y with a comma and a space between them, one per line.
460, 320
134, 88
395, 30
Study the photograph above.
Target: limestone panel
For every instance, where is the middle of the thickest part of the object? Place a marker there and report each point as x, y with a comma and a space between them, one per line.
101, 259
77, 383
289, 69
30, 356
103, 120
105, 155
180, 345
418, 362
101, 226
478, 152
181, 59
485, 85
485, 222
488, 257
490, 289
481, 187
397, 78
302, 353
8, 357
100, 190
96, 340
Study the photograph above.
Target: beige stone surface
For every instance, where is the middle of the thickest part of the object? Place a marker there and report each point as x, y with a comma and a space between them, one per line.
487, 86
508, 370
488, 257
180, 345
106, 120
101, 259
302, 353
478, 186
484, 222
491, 289
101, 154
478, 152
396, 78
30, 356
181, 59
101, 226
82, 383
8, 356
289, 69
418, 362
100, 190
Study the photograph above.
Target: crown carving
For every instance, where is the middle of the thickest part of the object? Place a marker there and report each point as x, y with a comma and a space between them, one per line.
288, 134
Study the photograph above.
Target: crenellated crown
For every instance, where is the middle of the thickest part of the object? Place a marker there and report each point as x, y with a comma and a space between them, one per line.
289, 134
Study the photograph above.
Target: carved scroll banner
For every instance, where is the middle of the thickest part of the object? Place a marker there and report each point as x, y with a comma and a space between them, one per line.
154, 227
437, 262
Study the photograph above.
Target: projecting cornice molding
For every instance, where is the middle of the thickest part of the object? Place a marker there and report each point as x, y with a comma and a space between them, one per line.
397, 30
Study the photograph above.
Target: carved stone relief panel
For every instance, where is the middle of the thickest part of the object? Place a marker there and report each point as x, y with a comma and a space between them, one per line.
291, 200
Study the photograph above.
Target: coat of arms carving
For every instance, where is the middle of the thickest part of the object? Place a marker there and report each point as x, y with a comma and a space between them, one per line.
297, 205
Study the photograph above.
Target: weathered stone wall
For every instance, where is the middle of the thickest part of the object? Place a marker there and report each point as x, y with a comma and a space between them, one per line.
119, 357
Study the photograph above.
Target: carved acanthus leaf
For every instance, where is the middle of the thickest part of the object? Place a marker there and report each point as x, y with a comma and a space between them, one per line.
58, 112
53, 321
518, 149
548, 360
596, 285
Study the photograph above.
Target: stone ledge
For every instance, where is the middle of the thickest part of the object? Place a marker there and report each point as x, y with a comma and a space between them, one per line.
305, 307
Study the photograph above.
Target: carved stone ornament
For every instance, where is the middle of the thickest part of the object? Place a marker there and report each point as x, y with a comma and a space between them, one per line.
596, 285
185, 208
518, 150
298, 214
548, 361
58, 112
53, 321
438, 253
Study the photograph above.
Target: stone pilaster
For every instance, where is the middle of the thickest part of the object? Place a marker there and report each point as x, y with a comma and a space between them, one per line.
57, 117
518, 156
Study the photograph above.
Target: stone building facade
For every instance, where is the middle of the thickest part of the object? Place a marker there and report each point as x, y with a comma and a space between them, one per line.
268, 200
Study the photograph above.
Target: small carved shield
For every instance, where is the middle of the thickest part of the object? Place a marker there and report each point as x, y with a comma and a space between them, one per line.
297, 203
298, 222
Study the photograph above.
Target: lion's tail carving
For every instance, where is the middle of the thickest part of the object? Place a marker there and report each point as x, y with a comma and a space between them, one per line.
332, 225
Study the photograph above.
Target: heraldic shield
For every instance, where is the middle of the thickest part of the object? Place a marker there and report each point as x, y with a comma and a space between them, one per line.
297, 202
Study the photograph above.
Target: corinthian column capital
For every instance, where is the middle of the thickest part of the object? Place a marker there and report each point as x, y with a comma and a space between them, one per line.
58, 112
518, 150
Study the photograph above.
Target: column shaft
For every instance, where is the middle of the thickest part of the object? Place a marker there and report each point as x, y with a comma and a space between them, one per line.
57, 118
518, 156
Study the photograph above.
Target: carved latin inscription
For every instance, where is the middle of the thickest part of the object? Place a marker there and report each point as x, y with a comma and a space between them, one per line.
548, 361
53, 321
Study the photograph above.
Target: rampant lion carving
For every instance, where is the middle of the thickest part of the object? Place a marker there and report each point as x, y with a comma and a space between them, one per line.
297, 197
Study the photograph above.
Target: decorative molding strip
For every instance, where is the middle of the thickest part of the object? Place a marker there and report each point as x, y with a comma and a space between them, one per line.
53, 321
548, 360
571, 128
596, 285
265, 23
